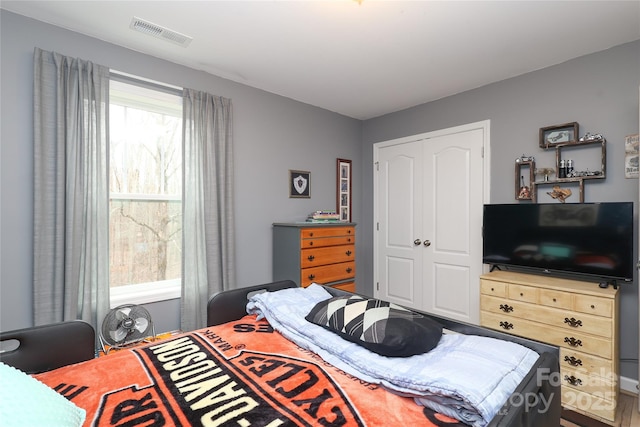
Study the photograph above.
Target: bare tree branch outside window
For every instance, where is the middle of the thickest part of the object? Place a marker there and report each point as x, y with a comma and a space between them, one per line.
145, 184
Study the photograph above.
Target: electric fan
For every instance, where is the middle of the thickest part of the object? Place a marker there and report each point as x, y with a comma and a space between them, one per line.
125, 325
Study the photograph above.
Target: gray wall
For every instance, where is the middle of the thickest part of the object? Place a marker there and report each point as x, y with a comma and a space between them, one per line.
599, 91
272, 134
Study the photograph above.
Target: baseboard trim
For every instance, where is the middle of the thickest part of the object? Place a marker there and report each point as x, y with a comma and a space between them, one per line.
629, 385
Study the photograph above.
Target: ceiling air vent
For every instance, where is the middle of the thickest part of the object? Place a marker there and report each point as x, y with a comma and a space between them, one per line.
155, 30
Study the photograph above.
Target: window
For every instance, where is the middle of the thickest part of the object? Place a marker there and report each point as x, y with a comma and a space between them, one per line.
145, 194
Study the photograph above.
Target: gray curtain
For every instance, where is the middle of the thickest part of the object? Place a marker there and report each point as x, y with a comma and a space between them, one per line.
70, 262
208, 257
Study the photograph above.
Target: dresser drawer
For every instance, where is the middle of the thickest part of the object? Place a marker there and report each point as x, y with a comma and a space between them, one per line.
557, 299
593, 305
347, 286
489, 287
582, 381
328, 255
567, 320
571, 359
320, 242
568, 339
522, 293
327, 273
315, 232
594, 404
585, 323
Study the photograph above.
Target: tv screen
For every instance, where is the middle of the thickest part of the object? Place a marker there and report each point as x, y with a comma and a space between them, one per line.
592, 240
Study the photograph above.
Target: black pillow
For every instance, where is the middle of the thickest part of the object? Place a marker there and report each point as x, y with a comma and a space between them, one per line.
379, 326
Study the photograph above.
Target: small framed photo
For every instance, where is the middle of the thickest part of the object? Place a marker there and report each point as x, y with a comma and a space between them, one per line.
559, 134
299, 184
343, 192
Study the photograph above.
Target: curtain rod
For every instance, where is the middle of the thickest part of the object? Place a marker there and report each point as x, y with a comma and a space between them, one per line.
148, 83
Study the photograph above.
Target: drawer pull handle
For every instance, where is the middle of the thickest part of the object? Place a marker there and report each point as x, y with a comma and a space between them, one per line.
573, 380
506, 308
349, 240
311, 243
312, 276
506, 325
573, 322
311, 234
311, 257
573, 342
349, 270
573, 361
348, 253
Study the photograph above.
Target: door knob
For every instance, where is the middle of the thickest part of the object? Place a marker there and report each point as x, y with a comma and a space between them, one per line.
417, 242
427, 242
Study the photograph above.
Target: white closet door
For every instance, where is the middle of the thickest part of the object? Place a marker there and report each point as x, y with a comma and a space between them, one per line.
399, 200
453, 200
429, 192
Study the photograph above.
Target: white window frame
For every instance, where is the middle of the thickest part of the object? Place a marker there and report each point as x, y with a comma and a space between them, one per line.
148, 292
145, 293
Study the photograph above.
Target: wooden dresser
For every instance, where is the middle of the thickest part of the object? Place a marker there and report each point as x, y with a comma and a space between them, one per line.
579, 317
315, 253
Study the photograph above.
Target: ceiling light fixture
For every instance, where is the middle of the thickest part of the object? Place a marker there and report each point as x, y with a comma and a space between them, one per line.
160, 32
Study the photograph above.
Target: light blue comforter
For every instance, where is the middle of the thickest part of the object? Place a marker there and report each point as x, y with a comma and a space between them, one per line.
465, 377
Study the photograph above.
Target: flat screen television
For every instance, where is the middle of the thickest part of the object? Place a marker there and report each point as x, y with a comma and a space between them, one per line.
586, 241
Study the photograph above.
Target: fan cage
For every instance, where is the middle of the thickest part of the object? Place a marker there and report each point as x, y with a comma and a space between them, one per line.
108, 346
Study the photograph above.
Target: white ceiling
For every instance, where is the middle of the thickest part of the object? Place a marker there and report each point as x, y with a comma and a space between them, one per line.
361, 60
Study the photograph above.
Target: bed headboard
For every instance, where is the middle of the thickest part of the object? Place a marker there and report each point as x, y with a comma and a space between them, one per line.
231, 305
63, 343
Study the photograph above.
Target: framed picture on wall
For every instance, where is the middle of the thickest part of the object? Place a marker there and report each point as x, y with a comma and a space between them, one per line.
559, 134
299, 184
343, 192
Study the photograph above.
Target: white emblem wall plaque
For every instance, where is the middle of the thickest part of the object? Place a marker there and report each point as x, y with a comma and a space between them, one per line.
299, 184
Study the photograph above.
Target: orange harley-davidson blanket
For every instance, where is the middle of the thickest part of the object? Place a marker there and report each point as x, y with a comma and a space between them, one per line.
242, 373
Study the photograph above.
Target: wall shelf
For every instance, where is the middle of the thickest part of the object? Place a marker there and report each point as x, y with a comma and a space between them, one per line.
580, 180
524, 188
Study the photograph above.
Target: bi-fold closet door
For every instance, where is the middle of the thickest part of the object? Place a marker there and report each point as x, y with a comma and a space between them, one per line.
428, 196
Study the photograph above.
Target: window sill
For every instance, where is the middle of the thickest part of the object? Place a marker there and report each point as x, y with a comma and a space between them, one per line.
144, 293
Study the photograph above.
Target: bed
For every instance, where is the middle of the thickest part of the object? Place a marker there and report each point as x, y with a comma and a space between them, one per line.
252, 369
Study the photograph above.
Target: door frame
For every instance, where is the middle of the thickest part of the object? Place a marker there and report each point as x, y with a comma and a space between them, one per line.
484, 125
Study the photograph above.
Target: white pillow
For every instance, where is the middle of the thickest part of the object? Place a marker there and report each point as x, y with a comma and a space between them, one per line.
25, 401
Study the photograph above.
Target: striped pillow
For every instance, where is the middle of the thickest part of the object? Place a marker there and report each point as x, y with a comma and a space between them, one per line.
379, 326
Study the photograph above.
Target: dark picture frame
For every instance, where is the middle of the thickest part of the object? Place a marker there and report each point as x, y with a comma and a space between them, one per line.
566, 133
299, 184
343, 190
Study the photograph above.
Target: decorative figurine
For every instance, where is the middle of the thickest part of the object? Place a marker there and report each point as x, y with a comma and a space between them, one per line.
560, 194
545, 172
525, 193
524, 158
588, 137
